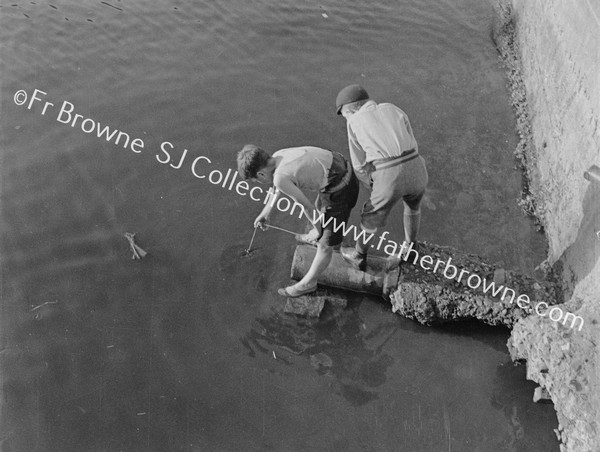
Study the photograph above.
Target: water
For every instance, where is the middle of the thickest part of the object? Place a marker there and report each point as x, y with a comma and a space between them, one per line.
189, 349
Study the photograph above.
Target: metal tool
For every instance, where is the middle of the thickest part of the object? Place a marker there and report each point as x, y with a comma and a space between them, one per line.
281, 229
249, 249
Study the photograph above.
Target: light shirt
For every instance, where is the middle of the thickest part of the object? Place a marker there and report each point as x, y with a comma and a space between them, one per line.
307, 167
378, 131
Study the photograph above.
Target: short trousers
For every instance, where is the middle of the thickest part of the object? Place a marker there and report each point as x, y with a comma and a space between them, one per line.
406, 181
336, 206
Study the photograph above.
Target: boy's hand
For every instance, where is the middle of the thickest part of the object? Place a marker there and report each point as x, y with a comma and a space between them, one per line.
261, 222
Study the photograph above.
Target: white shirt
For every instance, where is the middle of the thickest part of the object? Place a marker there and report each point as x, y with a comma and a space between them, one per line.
378, 131
307, 167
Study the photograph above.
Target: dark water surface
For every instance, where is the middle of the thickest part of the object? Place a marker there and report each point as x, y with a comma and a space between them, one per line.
189, 349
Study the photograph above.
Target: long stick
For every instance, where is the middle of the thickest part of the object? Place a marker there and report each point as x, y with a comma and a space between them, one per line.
281, 229
251, 241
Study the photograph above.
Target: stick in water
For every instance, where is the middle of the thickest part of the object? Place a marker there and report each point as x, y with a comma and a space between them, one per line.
138, 252
251, 242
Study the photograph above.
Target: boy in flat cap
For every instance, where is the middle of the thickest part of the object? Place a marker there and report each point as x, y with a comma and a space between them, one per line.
386, 158
292, 170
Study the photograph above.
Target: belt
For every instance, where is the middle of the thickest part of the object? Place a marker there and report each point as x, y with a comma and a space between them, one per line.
390, 162
343, 182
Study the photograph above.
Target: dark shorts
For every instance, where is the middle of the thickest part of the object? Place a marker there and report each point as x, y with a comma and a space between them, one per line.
336, 206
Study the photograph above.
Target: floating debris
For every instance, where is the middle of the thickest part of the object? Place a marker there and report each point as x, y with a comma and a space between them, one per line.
138, 252
43, 304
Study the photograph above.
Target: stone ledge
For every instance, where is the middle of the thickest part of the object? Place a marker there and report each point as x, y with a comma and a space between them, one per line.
431, 298
312, 304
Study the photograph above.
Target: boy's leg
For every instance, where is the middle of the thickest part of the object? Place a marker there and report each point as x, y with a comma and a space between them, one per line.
412, 221
415, 179
337, 205
374, 215
365, 239
308, 283
318, 266
357, 256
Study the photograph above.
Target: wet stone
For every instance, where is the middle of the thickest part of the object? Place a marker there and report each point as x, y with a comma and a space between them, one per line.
312, 304
500, 276
432, 297
541, 395
336, 301
306, 306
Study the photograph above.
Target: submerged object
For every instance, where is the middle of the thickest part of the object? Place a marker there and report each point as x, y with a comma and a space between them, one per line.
312, 304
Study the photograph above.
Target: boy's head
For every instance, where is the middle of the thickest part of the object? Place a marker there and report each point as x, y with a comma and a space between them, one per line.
350, 99
253, 164
348, 110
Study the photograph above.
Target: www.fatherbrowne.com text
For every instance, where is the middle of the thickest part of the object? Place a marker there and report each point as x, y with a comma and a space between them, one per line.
67, 116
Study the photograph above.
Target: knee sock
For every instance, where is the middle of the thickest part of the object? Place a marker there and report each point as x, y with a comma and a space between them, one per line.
412, 221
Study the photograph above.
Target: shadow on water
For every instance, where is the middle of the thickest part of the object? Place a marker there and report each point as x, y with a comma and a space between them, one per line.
336, 345
494, 337
373, 355
512, 396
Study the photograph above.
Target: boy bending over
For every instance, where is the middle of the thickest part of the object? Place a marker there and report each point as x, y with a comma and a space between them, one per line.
386, 158
292, 170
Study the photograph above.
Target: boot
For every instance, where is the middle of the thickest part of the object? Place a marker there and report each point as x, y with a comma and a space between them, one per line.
354, 257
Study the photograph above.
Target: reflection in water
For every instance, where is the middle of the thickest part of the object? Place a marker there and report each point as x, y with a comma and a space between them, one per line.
514, 401
336, 346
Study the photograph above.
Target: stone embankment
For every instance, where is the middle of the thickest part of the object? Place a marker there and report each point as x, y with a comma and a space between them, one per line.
550, 48
484, 292
437, 284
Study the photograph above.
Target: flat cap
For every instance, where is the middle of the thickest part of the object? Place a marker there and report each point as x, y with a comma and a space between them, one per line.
349, 94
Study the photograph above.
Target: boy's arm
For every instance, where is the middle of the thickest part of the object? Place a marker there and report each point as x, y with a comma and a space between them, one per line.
263, 216
410, 131
287, 187
358, 157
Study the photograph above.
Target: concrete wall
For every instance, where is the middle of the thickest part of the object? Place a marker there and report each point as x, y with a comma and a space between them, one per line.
560, 54
559, 44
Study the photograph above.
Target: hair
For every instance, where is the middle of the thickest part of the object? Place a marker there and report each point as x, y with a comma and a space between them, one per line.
250, 160
359, 103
